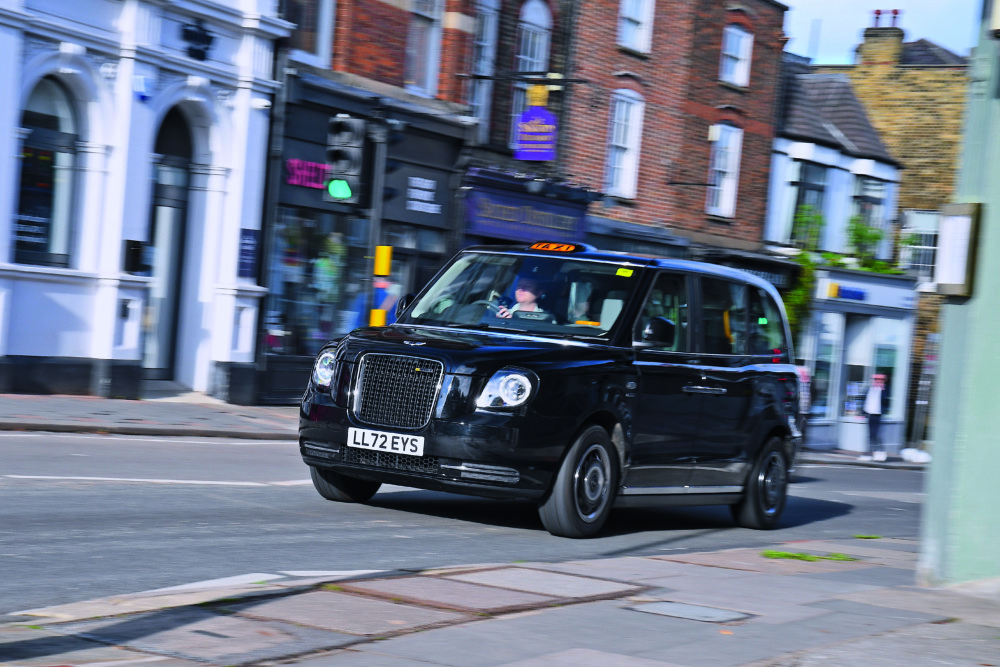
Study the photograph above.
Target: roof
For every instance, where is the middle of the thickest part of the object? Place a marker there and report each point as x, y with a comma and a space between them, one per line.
923, 52
822, 108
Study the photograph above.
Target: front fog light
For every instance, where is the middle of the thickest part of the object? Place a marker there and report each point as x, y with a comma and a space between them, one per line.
323, 369
506, 389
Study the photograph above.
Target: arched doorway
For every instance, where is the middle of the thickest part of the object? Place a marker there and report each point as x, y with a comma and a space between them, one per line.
167, 226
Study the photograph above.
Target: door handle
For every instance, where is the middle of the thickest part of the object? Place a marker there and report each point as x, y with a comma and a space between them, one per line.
694, 389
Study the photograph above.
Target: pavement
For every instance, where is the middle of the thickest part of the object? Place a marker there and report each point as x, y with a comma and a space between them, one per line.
848, 601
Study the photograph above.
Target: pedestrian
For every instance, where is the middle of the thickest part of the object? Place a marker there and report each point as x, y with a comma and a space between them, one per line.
876, 404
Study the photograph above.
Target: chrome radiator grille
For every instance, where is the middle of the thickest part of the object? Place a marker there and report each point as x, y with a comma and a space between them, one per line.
397, 390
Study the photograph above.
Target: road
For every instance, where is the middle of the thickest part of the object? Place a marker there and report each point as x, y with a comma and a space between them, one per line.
85, 516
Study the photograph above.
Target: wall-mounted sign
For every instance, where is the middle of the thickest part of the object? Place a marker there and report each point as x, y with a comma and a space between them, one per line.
958, 238
305, 174
421, 194
537, 130
499, 215
838, 291
249, 240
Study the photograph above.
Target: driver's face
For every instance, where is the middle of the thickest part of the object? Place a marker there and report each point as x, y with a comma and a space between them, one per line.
526, 292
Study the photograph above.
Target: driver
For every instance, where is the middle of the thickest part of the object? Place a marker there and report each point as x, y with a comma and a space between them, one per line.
526, 295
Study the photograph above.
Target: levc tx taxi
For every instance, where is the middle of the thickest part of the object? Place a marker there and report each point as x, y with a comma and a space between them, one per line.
574, 378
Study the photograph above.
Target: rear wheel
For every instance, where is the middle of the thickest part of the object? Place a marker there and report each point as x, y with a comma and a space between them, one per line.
766, 490
334, 486
585, 487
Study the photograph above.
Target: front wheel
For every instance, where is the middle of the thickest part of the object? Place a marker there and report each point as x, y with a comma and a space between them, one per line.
766, 489
585, 487
334, 486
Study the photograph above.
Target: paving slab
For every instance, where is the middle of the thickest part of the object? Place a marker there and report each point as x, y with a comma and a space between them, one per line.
449, 593
582, 657
867, 552
345, 613
546, 583
753, 560
960, 645
874, 575
942, 601
201, 635
40, 647
593, 626
691, 612
628, 569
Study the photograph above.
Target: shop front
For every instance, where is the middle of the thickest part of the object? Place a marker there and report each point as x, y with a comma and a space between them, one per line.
862, 325
317, 253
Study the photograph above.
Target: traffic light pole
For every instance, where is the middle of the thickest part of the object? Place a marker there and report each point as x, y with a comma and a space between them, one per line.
378, 132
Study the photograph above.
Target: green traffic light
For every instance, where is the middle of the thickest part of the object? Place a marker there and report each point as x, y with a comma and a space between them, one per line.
339, 189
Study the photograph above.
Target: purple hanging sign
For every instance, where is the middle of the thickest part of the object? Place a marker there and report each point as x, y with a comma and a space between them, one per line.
536, 135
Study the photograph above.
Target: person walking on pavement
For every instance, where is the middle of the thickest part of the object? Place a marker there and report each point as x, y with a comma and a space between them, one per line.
876, 404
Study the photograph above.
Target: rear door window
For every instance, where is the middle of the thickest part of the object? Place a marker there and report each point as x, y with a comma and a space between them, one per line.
767, 329
668, 300
724, 315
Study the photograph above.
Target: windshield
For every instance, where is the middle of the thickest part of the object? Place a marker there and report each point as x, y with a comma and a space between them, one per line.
526, 293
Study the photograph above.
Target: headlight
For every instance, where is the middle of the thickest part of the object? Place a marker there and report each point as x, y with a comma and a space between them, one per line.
323, 369
506, 389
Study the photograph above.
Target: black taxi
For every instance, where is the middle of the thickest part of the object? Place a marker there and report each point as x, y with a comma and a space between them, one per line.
571, 377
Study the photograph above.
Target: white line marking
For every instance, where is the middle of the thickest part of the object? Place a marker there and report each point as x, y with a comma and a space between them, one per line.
160, 439
224, 582
130, 479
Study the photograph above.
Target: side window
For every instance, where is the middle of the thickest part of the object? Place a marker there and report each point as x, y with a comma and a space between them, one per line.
665, 310
724, 315
767, 331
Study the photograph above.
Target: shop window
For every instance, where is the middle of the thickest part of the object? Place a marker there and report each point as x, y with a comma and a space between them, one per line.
423, 47
724, 314
316, 274
625, 136
484, 50
724, 170
737, 49
809, 186
533, 30
311, 40
829, 328
890, 335
43, 228
635, 24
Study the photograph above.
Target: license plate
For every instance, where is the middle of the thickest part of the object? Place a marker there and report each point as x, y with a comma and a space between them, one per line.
380, 441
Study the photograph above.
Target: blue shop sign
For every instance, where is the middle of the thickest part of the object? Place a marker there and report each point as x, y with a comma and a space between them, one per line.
537, 133
502, 215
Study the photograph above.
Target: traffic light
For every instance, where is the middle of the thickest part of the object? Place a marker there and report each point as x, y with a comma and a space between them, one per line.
345, 151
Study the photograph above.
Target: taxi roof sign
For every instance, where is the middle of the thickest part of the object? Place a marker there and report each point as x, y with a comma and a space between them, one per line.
557, 247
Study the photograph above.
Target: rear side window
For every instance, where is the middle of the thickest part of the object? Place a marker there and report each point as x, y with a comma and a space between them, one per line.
724, 315
668, 299
766, 328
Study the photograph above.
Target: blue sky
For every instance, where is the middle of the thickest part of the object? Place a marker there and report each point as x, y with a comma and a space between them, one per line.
840, 24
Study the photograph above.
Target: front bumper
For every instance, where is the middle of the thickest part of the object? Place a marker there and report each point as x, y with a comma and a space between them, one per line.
484, 453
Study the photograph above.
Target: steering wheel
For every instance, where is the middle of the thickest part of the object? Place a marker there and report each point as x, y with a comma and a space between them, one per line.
490, 306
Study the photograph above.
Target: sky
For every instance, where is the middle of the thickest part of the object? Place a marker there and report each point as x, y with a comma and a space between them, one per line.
829, 30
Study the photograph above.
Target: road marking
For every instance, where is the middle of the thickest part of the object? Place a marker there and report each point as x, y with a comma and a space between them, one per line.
386, 488
136, 479
183, 440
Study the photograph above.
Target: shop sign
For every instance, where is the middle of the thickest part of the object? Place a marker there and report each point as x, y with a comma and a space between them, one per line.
838, 291
500, 215
305, 174
537, 129
421, 194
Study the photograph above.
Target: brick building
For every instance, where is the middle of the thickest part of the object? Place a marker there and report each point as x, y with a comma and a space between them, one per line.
915, 95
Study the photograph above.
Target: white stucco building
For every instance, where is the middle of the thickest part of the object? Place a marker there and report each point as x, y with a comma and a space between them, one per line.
133, 139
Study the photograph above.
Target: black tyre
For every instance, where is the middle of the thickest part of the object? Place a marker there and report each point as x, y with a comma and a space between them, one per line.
334, 486
766, 489
585, 487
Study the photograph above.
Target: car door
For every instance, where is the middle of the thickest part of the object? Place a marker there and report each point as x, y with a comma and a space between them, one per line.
666, 424
727, 383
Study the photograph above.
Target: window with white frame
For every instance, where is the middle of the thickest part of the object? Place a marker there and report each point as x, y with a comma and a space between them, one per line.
737, 50
311, 40
624, 139
533, 31
809, 186
484, 50
724, 169
423, 47
869, 201
919, 240
635, 24
43, 226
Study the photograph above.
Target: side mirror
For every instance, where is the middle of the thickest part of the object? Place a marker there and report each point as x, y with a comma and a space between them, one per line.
403, 303
659, 332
